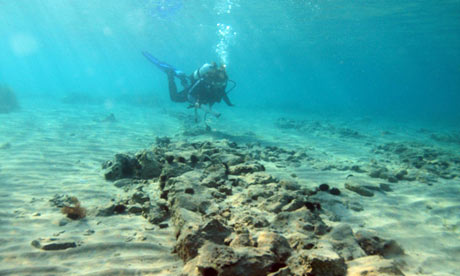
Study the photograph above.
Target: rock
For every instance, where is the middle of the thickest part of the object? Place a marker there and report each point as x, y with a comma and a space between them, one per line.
149, 165
214, 179
190, 202
135, 209
57, 245
345, 243
275, 203
401, 174
232, 218
334, 191
324, 187
108, 210
182, 217
355, 206
373, 266
299, 241
359, 190
243, 239
123, 166
162, 141
320, 261
373, 245
246, 168
308, 227
276, 244
119, 208
231, 159
259, 178
225, 261
313, 206
192, 238
251, 220
163, 225
301, 220
326, 263
157, 213
293, 205
175, 169
125, 182
89, 232
36, 244
379, 172
342, 232
285, 271
60, 200
385, 187
357, 169
288, 185
321, 229
139, 197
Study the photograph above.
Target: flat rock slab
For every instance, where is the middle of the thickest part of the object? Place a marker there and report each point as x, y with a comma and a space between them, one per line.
359, 190
55, 245
373, 266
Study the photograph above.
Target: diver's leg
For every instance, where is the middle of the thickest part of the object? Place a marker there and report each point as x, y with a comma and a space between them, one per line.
208, 109
173, 94
196, 115
172, 86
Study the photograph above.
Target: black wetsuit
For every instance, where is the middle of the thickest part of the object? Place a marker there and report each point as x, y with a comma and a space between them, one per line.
198, 92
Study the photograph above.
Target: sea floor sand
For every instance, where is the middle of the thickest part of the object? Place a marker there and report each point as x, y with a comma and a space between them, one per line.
54, 148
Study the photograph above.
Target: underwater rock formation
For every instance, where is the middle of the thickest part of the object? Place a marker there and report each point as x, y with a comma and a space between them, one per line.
229, 216
451, 138
8, 100
416, 162
318, 128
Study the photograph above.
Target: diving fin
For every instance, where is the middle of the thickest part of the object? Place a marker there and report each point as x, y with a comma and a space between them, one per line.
165, 67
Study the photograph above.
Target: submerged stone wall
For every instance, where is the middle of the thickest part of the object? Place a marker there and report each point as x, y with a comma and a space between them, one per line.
230, 217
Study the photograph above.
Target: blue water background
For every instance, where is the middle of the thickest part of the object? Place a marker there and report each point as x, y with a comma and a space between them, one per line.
397, 59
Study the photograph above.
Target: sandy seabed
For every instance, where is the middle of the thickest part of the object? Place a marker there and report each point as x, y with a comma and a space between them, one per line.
54, 148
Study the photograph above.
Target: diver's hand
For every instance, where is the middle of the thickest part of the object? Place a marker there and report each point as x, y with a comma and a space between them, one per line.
195, 105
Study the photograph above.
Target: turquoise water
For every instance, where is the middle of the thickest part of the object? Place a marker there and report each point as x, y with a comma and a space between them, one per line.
366, 92
378, 58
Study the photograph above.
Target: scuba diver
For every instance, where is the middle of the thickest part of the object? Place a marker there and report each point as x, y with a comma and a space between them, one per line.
202, 89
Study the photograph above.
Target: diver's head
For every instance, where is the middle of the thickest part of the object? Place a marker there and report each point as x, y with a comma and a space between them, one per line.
213, 74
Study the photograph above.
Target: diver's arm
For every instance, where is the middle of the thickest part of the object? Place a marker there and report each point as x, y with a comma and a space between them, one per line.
227, 100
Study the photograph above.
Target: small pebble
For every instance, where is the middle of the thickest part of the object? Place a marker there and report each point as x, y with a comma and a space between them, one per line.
324, 187
36, 244
334, 191
63, 222
385, 187
88, 232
